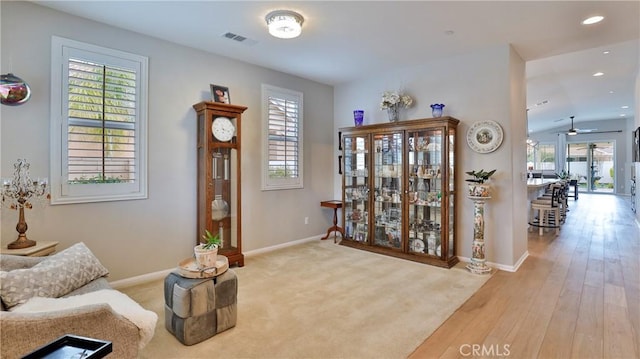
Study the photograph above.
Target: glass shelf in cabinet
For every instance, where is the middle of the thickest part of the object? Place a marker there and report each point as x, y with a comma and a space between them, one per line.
389, 225
421, 203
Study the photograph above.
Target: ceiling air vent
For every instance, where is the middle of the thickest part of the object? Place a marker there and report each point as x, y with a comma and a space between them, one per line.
239, 38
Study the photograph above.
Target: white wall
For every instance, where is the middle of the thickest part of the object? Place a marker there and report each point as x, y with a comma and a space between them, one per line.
484, 85
137, 237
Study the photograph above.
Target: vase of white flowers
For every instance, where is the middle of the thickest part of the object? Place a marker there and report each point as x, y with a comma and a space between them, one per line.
393, 102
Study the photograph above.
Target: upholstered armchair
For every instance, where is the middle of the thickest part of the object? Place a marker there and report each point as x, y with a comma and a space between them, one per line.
23, 332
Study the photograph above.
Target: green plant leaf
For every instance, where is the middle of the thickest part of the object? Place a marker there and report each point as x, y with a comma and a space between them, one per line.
211, 241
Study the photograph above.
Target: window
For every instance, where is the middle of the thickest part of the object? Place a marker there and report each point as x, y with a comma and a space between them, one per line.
98, 124
282, 138
542, 156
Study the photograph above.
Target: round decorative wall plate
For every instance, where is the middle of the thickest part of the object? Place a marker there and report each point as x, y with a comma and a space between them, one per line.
484, 136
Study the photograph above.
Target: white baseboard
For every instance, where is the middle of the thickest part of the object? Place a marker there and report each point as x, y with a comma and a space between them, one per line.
515, 267
137, 280
506, 268
282, 245
129, 282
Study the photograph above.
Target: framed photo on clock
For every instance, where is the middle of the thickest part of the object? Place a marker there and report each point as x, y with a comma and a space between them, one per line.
220, 94
484, 136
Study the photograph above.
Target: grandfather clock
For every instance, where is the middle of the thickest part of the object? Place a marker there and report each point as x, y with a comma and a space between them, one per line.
219, 196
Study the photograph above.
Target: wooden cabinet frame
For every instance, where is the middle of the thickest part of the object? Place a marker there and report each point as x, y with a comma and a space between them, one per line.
379, 192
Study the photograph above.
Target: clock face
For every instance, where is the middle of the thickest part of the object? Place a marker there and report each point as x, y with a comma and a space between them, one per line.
223, 129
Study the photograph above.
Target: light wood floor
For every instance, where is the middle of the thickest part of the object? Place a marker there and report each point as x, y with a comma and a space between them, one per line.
576, 296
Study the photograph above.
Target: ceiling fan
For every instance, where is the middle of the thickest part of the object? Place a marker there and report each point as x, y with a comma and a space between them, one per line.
575, 131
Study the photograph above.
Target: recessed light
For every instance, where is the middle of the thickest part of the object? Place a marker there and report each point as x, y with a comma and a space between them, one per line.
449, 32
610, 91
625, 106
622, 115
598, 74
606, 52
592, 20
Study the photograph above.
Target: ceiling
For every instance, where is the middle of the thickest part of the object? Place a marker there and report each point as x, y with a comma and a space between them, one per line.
344, 41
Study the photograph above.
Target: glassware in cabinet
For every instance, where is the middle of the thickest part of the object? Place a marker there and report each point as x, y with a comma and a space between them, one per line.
388, 189
399, 194
356, 188
451, 175
425, 192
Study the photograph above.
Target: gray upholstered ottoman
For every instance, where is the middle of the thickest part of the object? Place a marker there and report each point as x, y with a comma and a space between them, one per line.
197, 309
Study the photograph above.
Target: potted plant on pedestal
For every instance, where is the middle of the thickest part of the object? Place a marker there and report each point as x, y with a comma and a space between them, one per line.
478, 187
206, 253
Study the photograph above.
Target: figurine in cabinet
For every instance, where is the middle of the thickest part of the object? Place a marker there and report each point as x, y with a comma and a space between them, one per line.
412, 172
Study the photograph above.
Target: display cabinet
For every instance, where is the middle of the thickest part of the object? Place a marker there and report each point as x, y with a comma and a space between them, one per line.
399, 190
219, 195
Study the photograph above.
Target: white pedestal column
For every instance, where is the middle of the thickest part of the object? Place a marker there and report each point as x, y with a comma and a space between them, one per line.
478, 265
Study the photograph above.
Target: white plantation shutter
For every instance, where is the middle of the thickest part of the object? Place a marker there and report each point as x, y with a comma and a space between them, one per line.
101, 123
98, 133
283, 138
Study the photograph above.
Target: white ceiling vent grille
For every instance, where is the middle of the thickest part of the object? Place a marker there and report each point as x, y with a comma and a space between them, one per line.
239, 38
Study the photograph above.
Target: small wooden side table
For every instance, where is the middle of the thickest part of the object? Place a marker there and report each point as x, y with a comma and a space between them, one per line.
41, 249
335, 204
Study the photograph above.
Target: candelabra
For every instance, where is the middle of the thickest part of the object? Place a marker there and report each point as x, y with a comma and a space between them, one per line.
19, 193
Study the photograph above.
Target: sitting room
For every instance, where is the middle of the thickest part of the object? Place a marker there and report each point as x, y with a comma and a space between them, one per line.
329, 169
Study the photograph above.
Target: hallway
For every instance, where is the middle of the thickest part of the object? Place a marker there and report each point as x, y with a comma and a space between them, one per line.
576, 296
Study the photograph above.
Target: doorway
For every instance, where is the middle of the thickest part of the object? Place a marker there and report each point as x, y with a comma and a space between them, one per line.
593, 165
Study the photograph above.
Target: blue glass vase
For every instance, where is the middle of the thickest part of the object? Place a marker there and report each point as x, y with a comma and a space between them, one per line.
436, 109
358, 117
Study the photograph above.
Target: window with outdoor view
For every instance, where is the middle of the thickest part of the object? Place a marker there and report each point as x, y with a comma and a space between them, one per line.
282, 136
541, 157
98, 123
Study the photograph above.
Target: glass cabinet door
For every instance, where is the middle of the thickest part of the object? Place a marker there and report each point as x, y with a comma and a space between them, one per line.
388, 189
452, 190
356, 188
425, 192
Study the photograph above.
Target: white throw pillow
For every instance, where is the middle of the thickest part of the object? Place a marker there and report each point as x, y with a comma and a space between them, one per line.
54, 277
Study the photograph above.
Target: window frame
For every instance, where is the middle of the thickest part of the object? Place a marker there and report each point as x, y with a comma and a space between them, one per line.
268, 183
61, 191
537, 149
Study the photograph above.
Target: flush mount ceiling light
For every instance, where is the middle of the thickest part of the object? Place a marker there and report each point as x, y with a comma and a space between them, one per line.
592, 20
284, 24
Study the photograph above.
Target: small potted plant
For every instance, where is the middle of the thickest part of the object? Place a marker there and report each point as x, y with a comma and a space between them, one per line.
564, 175
478, 187
206, 252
